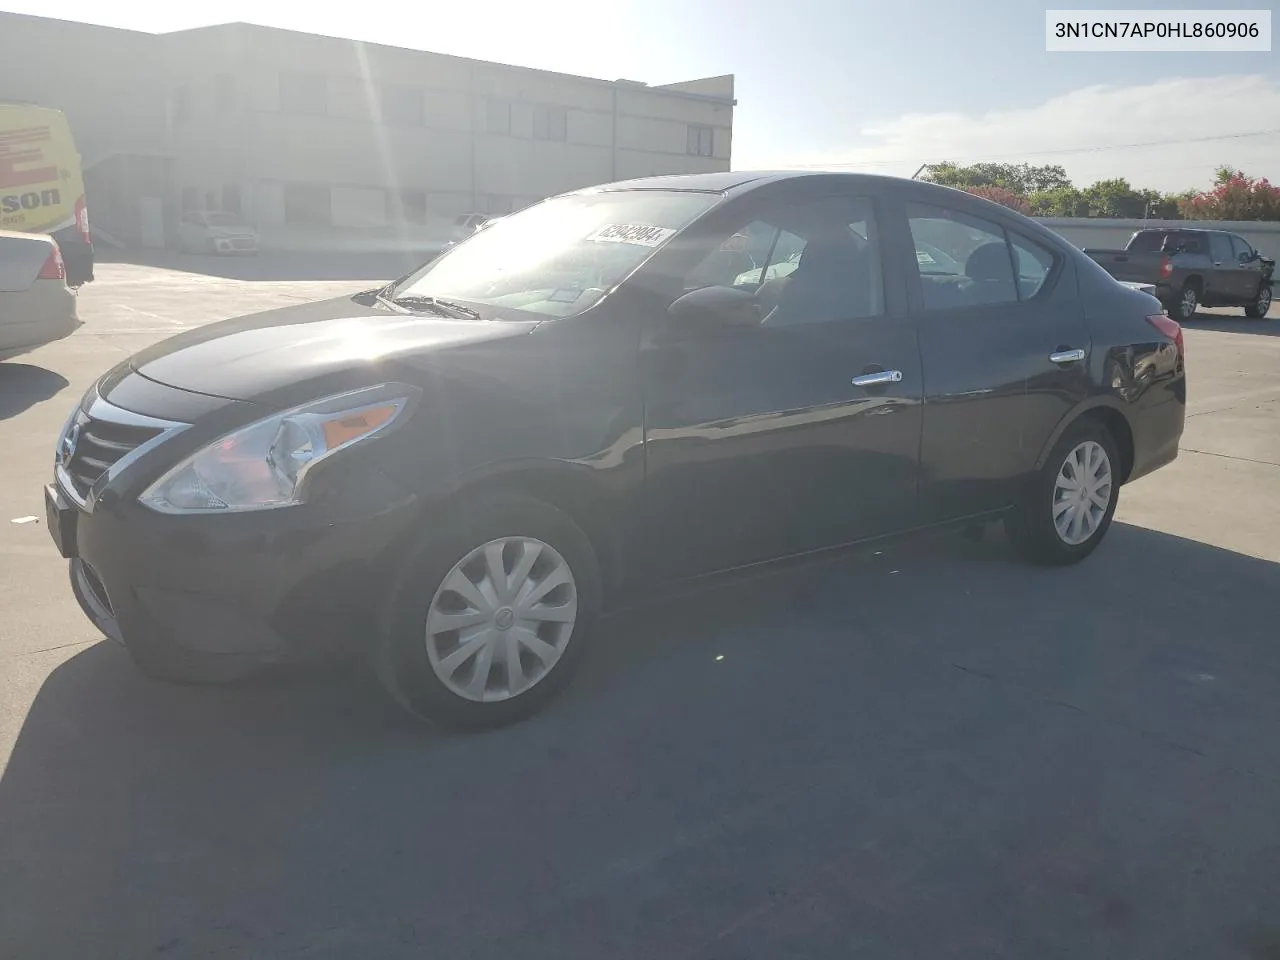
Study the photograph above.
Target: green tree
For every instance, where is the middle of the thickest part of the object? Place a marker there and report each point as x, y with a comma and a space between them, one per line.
1058, 202
1019, 178
1113, 198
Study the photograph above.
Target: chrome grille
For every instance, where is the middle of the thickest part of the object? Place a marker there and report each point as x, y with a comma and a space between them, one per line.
99, 445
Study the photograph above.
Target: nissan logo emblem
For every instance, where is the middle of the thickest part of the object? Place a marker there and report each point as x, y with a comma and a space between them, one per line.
67, 448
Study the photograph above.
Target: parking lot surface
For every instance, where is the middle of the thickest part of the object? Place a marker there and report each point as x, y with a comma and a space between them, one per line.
918, 751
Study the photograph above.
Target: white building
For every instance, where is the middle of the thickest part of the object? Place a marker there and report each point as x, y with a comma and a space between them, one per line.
319, 140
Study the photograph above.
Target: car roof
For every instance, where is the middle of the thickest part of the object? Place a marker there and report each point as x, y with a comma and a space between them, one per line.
19, 235
742, 181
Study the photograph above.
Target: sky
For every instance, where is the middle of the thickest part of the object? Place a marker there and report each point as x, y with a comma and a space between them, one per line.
875, 85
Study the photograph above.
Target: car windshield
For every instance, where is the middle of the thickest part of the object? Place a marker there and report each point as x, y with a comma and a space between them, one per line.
221, 220
559, 257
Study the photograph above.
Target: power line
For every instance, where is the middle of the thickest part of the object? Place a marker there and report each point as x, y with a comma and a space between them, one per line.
1048, 153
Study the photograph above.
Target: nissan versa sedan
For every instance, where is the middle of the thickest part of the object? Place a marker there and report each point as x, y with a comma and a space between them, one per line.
604, 393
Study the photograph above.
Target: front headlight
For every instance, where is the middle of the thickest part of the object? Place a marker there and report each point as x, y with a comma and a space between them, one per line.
263, 465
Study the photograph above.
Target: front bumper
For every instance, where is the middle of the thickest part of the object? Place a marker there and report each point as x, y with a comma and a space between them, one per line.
215, 596
235, 244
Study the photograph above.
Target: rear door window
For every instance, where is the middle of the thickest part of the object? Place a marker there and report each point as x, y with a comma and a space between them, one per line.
1220, 248
964, 261
1033, 262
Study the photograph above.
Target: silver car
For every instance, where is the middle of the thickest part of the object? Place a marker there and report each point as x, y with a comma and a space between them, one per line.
212, 231
36, 306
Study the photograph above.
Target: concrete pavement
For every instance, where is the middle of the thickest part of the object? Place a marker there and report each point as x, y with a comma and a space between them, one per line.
927, 751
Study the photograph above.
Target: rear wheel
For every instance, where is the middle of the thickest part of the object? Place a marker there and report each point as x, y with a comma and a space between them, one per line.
1068, 505
1186, 304
1261, 303
490, 619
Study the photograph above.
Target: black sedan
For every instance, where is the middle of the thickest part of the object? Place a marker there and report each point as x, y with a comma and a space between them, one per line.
612, 390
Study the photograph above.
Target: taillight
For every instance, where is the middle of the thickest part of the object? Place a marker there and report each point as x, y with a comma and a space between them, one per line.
54, 268
1170, 328
82, 220
1166, 268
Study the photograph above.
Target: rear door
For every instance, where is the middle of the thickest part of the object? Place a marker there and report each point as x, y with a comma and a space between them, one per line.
1005, 355
1226, 282
759, 442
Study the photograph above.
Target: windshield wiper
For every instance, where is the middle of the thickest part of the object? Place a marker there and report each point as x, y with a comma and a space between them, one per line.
444, 308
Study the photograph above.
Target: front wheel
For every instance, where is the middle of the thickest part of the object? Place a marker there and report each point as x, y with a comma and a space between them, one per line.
1068, 505
1261, 303
490, 619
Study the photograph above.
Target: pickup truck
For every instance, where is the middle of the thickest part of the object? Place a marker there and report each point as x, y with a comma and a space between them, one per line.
1193, 268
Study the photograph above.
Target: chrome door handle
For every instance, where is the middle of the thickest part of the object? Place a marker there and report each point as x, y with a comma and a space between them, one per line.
1067, 356
878, 378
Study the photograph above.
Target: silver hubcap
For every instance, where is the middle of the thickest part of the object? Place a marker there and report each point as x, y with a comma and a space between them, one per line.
501, 619
1082, 492
1188, 301
1264, 299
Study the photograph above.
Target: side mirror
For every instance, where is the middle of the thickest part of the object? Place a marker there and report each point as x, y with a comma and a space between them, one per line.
714, 307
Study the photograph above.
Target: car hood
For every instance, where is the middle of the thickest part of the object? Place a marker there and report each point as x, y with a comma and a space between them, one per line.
252, 357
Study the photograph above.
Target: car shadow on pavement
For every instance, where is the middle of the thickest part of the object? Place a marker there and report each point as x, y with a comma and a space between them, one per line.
23, 385
929, 749
374, 266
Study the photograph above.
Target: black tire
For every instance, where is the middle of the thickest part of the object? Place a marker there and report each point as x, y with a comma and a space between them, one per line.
1030, 525
400, 657
1261, 304
1185, 303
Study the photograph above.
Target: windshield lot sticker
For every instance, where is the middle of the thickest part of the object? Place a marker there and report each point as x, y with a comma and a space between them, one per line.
638, 234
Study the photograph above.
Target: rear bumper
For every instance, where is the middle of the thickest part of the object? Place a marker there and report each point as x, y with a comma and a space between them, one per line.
1157, 432
37, 316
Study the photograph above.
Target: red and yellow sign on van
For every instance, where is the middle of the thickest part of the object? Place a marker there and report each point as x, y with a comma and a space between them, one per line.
41, 184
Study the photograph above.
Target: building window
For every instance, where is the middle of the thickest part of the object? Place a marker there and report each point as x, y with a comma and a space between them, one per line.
413, 206
402, 106
497, 116
225, 93
231, 198
181, 105
305, 93
307, 203
700, 141
550, 123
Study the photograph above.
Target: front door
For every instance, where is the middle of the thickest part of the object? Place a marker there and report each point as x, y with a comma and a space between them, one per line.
759, 442
1249, 268
1005, 354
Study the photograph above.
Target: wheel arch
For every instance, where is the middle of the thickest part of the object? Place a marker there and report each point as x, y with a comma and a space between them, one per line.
571, 488
1108, 413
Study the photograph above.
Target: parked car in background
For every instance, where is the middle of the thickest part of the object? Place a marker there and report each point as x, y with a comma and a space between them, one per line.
36, 306
466, 224
462, 468
1194, 268
213, 231
42, 186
